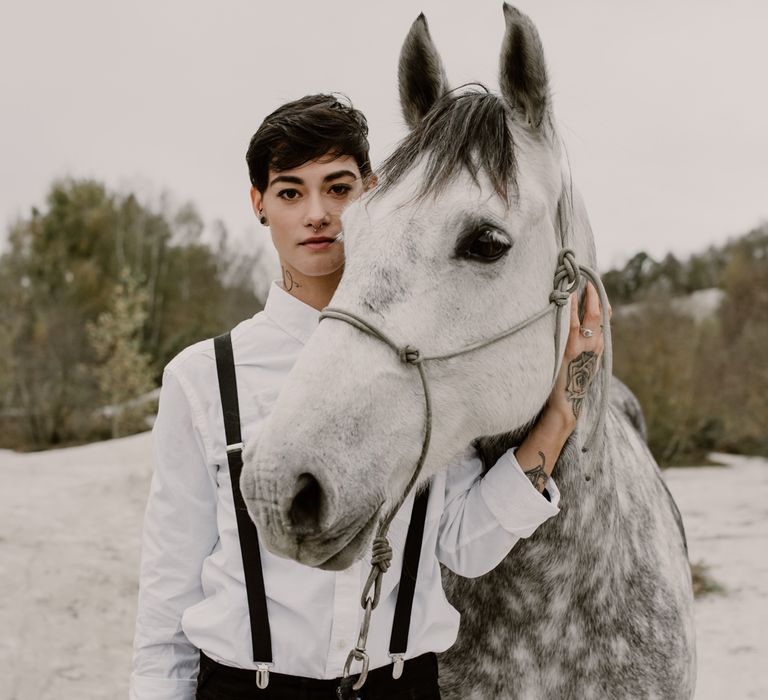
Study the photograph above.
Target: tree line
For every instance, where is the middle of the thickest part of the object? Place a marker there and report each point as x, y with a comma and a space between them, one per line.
99, 291
642, 277
702, 383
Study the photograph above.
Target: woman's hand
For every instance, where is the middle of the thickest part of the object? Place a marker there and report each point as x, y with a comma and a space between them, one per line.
581, 361
539, 451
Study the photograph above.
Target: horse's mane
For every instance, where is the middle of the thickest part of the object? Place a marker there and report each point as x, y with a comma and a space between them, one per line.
466, 130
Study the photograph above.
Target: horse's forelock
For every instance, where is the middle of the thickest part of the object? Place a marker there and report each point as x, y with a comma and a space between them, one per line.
466, 130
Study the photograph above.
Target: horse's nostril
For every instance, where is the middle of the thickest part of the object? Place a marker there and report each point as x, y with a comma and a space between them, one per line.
304, 513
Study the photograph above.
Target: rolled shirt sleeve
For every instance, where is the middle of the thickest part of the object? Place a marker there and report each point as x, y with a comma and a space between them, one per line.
486, 514
180, 530
517, 504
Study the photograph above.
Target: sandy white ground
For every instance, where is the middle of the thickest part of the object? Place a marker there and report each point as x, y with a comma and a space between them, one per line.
70, 529
726, 517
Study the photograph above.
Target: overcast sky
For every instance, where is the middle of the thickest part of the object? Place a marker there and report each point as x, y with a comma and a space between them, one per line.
663, 105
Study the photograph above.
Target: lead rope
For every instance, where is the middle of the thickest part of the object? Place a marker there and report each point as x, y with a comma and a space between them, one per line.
567, 279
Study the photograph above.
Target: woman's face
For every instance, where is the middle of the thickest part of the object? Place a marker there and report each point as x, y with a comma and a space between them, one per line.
306, 203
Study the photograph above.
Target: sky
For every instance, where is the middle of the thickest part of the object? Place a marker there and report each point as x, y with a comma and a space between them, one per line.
662, 105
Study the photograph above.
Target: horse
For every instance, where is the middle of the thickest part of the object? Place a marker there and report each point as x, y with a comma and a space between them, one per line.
459, 241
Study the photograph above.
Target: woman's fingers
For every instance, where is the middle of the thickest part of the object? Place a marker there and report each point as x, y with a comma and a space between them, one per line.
575, 322
591, 309
593, 321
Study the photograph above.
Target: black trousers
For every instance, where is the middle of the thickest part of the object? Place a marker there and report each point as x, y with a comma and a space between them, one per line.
216, 681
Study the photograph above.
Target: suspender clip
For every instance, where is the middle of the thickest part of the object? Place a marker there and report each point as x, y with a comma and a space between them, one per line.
237, 446
262, 675
397, 668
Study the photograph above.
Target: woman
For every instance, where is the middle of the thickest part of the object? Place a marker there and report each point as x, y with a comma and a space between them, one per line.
198, 624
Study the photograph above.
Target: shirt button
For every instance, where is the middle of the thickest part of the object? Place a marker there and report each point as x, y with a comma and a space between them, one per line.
342, 644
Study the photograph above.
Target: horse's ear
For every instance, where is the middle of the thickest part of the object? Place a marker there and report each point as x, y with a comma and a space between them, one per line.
522, 70
421, 74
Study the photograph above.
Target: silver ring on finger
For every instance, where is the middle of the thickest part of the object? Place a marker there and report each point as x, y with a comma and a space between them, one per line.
587, 332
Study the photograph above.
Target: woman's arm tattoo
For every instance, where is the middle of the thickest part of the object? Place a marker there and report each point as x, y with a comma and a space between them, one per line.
537, 475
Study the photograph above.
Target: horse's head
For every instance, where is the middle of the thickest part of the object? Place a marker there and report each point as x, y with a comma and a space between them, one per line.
458, 243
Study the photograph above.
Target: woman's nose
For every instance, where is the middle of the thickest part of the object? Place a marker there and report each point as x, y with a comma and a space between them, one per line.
317, 213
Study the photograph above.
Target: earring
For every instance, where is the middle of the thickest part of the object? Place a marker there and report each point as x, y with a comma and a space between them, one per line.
262, 218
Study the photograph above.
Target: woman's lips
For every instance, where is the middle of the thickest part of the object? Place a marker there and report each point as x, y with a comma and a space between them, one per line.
319, 245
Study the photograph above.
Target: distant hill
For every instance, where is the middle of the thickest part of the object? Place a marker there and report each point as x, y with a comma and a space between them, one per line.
699, 305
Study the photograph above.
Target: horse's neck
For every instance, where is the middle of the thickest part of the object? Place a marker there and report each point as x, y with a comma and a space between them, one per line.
578, 471
575, 468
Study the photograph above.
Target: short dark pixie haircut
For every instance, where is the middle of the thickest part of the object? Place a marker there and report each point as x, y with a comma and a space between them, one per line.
305, 130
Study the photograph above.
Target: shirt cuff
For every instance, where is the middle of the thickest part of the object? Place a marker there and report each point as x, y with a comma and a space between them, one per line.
515, 502
146, 688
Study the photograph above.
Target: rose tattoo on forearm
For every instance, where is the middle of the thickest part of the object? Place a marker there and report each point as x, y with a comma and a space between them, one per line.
581, 370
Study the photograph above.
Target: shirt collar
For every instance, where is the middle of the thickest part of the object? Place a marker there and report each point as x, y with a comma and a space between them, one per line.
292, 315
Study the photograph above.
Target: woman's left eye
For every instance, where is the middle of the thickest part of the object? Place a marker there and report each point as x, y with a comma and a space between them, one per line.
340, 189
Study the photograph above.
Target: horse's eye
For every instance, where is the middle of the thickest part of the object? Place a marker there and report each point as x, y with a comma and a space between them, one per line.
488, 245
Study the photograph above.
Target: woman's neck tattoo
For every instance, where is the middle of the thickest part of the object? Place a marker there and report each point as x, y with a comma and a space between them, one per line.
288, 282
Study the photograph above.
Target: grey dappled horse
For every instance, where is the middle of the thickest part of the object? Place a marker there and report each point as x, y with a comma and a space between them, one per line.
459, 242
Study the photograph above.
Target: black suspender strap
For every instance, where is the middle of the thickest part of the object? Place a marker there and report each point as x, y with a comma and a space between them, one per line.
398, 642
249, 539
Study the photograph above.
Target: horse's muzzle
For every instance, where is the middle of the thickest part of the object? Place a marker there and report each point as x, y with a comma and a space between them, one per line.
298, 518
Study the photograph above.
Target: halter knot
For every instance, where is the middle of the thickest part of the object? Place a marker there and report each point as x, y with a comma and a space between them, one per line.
567, 271
381, 556
409, 354
558, 297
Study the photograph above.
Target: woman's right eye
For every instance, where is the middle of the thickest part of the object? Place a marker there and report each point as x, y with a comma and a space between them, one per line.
288, 193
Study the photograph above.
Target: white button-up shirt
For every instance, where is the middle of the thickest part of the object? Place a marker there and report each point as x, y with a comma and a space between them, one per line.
192, 587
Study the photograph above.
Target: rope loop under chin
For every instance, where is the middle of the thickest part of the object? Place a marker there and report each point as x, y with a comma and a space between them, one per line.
381, 556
